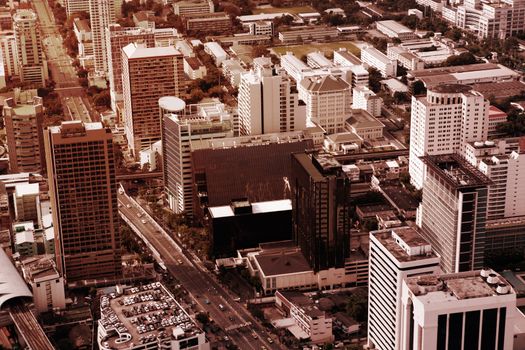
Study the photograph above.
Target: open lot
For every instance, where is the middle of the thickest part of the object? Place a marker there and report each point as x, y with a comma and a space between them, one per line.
327, 48
291, 10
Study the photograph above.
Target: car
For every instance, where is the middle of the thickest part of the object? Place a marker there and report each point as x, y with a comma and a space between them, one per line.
226, 338
222, 307
255, 336
231, 318
237, 299
139, 215
128, 206
143, 221
179, 261
270, 340
206, 301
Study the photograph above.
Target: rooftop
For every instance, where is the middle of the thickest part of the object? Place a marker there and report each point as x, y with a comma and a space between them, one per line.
135, 51
24, 189
39, 267
459, 286
327, 83
394, 26
142, 315
405, 244
256, 208
282, 262
451, 88
457, 172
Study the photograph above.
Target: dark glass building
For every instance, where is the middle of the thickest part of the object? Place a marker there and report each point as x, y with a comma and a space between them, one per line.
321, 210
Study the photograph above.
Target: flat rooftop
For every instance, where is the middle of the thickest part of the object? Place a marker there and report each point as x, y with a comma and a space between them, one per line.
257, 208
142, 315
459, 286
282, 262
405, 244
457, 172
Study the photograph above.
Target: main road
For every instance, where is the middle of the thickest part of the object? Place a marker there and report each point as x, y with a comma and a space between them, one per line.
61, 66
200, 283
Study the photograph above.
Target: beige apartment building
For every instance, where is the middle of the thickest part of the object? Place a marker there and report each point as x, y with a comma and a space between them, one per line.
83, 191
148, 73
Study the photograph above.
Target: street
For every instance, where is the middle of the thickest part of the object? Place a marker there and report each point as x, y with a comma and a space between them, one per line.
200, 283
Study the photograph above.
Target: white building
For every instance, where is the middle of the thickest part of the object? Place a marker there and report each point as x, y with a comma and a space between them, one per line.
194, 68
9, 53
372, 57
328, 102
27, 202
85, 42
181, 126
444, 121
216, 52
261, 28
394, 29
193, 7
269, 103
73, 6
32, 65
364, 98
46, 283
470, 310
102, 14
395, 254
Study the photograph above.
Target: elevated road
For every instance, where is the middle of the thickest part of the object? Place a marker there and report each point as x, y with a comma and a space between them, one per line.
29, 327
201, 284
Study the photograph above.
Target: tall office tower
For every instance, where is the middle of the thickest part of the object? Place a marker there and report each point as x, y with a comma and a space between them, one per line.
23, 125
321, 210
195, 123
269, 102
118, 37
470, 310
75, 6
453, 212
32, 65
148, 73
328, 102
444, 121
395, 254
83, 190
102, 14
9, 52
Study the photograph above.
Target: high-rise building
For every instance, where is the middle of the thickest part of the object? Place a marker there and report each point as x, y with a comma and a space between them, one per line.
119, 37
75, 6
470, 310
148, 73
83, 191
453, 212
102, 14
269, 103
328, 101
9, 53
321, 210
395, 254
193, 123
444, 121
23, 125
30, 56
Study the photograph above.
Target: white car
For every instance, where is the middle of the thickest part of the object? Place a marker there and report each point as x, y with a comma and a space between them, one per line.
143, 221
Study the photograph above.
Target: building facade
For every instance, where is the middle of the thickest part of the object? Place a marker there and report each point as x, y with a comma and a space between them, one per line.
395, 254
83, 191
102, 14
444, 121
321, 210
32, 65
269, 103
148, 73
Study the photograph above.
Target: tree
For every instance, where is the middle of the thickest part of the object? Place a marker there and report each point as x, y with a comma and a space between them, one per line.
259, 51
203, 318
374, 79
461, 59
357, 305
102, 99
418, 88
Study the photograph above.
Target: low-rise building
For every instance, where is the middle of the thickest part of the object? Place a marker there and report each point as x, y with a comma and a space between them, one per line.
372, 57
365, 125
46, 283
261, 28
164, 324
191, 7
364, 98
82, 30
194, 68
216, 52
310, 322
308, 34
396, 30
208, 23
496, 118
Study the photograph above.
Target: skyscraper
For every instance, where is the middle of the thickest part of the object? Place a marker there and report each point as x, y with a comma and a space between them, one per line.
148, 73
118, 37
102, 14
444, 121
321, 210
83, 191
269, 102
394, 255
23, 125
453, 212
75, 6
30, 57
